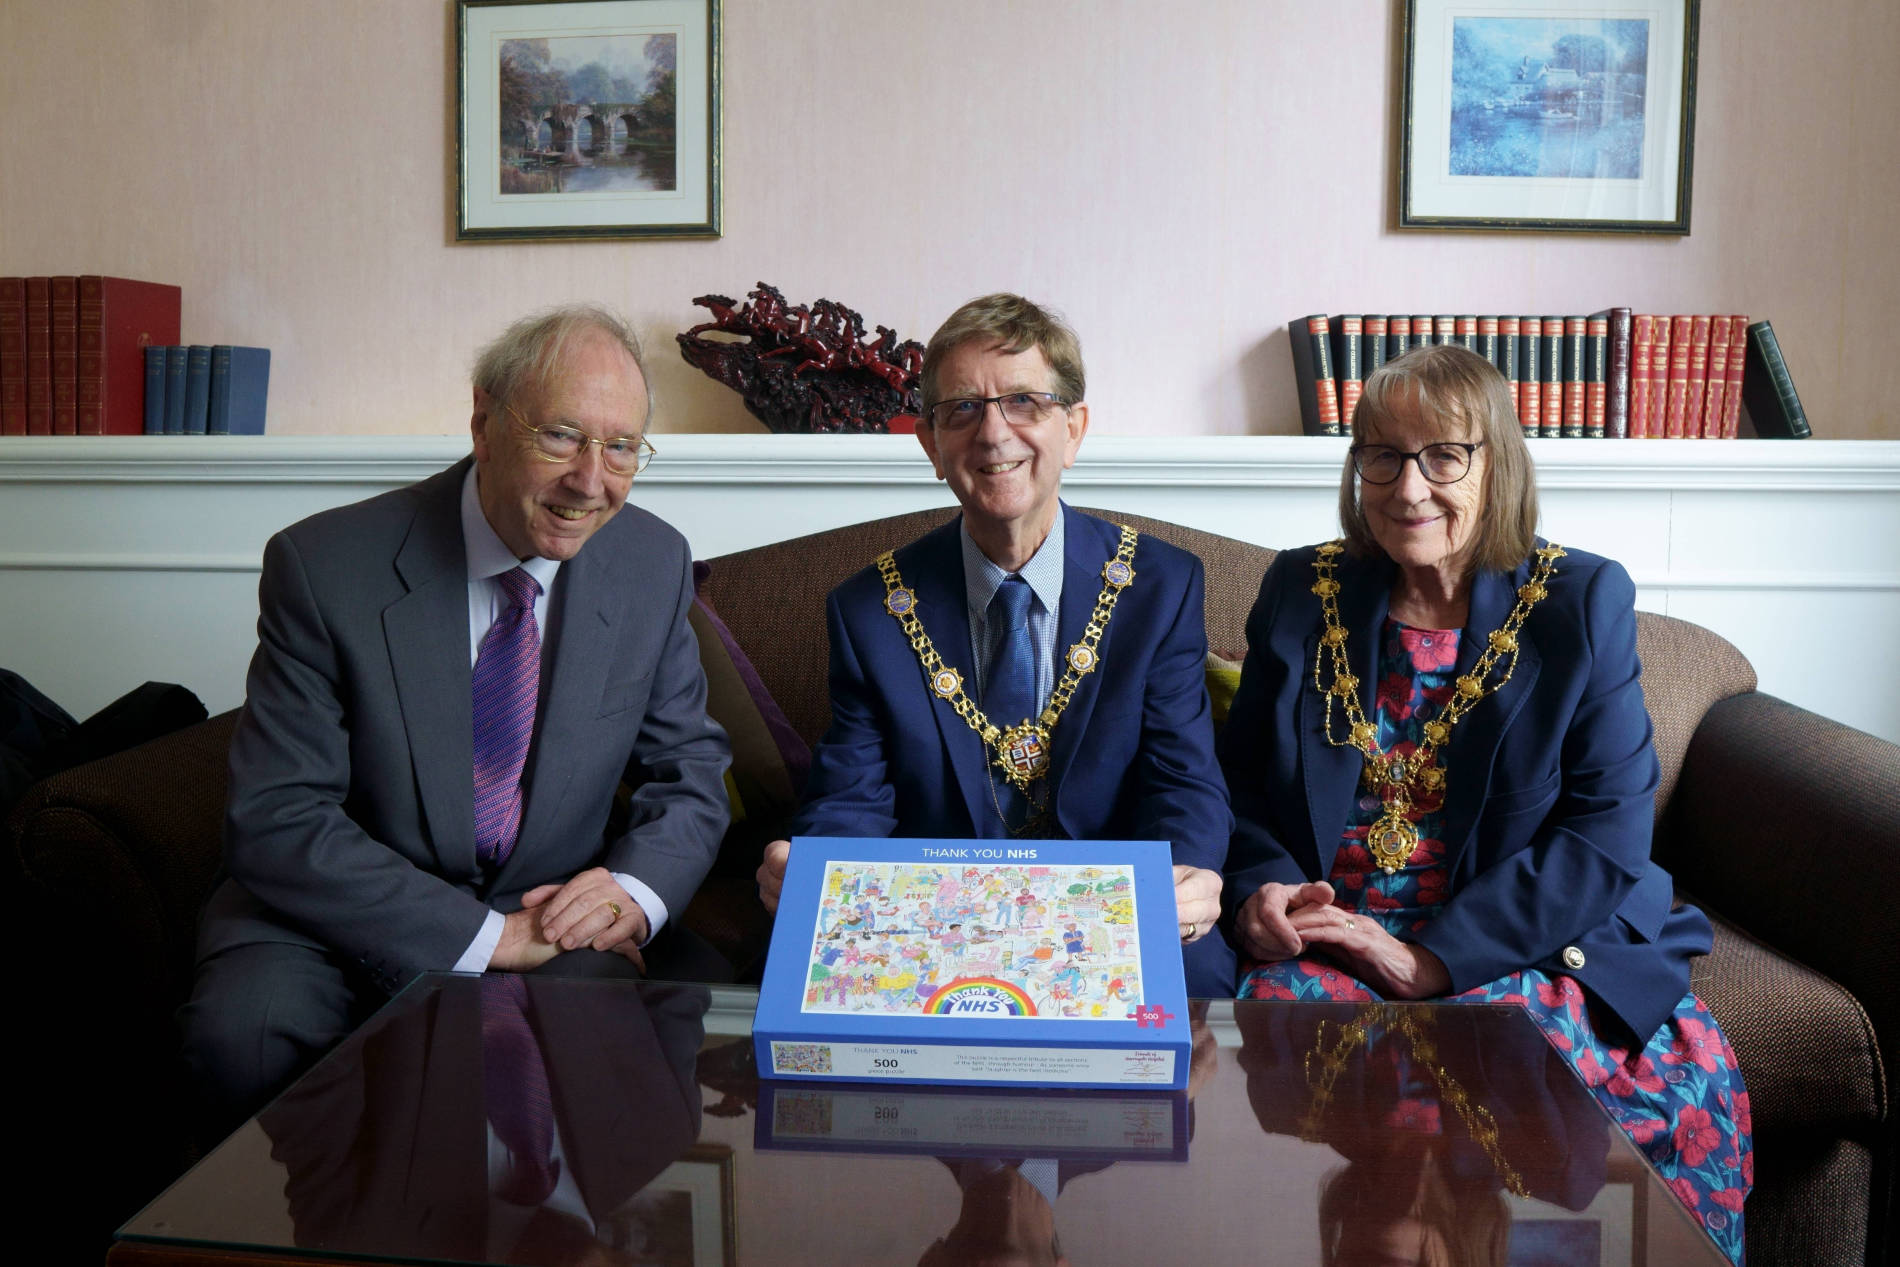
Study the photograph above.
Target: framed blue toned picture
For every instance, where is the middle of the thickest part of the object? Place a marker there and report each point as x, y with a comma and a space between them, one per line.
1548, 116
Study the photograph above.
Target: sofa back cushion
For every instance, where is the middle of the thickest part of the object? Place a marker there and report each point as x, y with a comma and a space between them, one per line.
1686, 669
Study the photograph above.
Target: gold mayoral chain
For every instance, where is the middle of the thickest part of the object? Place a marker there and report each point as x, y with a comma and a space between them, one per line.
1384, 1017
1021, 752
1394, 836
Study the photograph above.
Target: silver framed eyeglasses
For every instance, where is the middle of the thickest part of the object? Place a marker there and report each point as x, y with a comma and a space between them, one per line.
622, 455
1446, 462
1019, 409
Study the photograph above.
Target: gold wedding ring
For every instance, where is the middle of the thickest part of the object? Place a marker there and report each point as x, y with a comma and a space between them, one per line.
615, 908
1189, 929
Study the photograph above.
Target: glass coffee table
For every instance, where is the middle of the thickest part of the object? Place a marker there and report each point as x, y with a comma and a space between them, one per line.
572, 1121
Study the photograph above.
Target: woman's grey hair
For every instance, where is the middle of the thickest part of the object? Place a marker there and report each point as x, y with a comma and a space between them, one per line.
524, 354
1467, 399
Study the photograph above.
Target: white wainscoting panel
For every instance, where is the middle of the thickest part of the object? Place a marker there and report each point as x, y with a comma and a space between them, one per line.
126, 560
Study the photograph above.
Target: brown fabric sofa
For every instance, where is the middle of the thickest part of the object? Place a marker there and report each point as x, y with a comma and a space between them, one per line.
1777, 821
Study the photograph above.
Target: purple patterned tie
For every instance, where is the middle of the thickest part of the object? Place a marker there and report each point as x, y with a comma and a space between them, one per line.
515, 1090
507, 679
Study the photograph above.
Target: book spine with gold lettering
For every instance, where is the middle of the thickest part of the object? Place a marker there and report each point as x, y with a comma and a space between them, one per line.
1616, 371
1768, 389
1551, 362
1348, 364
1715, 387
1398, 336
1596, 377
1679, 328
1642, 341
1737, 365
1530, 359
1372, 345
1313, 375
1698, 377
1576, 353
1507, 360
63, 310
12, 356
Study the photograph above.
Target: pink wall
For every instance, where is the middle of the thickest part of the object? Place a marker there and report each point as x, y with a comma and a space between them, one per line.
1181, 179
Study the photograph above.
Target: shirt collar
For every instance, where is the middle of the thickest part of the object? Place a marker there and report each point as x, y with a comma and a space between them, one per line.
1043, 572
487, 556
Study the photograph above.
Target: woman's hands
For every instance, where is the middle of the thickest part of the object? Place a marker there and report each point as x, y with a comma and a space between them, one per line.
1280, 921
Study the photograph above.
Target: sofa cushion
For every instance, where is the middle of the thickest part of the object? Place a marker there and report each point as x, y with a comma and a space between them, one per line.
769, 759
1686, 668
1806, 1046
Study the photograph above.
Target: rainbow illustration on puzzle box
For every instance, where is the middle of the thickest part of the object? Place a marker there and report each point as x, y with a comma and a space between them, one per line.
949, 939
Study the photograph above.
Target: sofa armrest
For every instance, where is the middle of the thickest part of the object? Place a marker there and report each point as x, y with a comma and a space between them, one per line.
1789, 824
132, 839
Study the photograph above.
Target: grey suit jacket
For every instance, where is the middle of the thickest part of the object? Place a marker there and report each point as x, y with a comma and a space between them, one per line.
350, 823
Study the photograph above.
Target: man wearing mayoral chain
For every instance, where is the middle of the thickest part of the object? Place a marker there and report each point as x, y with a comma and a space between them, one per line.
1025, 670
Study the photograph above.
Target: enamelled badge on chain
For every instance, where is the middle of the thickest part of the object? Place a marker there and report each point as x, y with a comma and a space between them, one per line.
1393, 835
1020, 751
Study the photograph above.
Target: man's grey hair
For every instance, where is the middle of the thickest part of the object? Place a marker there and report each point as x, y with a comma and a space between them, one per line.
527, 350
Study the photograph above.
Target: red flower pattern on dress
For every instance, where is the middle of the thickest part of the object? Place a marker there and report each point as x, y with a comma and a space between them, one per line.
1631, 1075
1685, 1192
1351, 865
1394, 697
1420, 1117
1695, 1044
1592, 1073
1337, 984
1744, 1115
1696, 1136
1644, 1129
1430, 649
1727, 1198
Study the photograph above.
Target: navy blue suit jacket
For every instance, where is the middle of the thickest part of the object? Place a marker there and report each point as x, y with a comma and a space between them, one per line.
1551, 784
1132, 757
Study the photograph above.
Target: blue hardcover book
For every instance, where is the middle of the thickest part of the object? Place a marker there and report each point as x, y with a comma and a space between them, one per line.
197, 389
240, 378
175, 390
1131, 1125
154, 390
1033, 963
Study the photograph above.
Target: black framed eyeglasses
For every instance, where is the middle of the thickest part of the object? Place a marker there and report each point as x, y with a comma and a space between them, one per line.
622, 455
1446, 462
1019, 409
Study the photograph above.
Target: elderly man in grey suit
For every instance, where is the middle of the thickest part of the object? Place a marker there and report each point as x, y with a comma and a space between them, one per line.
451, 682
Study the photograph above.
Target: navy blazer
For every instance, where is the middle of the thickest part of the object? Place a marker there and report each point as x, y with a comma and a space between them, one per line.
1132, 757
1551, 785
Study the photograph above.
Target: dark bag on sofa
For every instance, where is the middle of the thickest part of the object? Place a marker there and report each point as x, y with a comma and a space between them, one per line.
38, 737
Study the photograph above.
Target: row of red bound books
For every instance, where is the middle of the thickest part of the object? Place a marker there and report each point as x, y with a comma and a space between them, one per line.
71, 352
1610, 375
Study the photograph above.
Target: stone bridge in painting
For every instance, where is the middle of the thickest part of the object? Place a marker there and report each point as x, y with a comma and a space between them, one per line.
576, 131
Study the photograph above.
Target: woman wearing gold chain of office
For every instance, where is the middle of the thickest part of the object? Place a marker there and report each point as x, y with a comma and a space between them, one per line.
1444, 783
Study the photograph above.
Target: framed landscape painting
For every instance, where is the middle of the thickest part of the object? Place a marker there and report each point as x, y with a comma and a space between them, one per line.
1548, 116
587, 119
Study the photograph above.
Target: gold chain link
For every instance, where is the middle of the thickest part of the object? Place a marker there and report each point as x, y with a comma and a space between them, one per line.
1082, 658
1477, 1119
1393, 837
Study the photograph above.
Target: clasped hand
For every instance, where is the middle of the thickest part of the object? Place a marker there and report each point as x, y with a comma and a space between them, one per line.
1280, 921
558, 917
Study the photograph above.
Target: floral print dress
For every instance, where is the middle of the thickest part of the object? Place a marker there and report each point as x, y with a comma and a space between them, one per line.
1680, 1097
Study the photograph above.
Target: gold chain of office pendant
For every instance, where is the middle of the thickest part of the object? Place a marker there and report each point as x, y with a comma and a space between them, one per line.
1020, 751
1394, 836
1478, 1121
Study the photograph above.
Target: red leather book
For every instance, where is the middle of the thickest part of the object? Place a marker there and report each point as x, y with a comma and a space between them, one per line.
1556, 391
63, 305
39, 357
1737, 362
118, 319
1642, 339
12, 356
1679, 329
1659, 359
1715, 386
1698, 377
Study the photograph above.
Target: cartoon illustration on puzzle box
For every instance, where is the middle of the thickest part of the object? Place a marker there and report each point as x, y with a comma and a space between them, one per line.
951, 939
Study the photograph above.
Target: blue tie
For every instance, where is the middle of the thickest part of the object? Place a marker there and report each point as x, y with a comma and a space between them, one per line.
1010, 695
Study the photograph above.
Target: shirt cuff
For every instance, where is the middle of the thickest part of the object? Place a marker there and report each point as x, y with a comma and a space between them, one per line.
649, 902
482, 949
